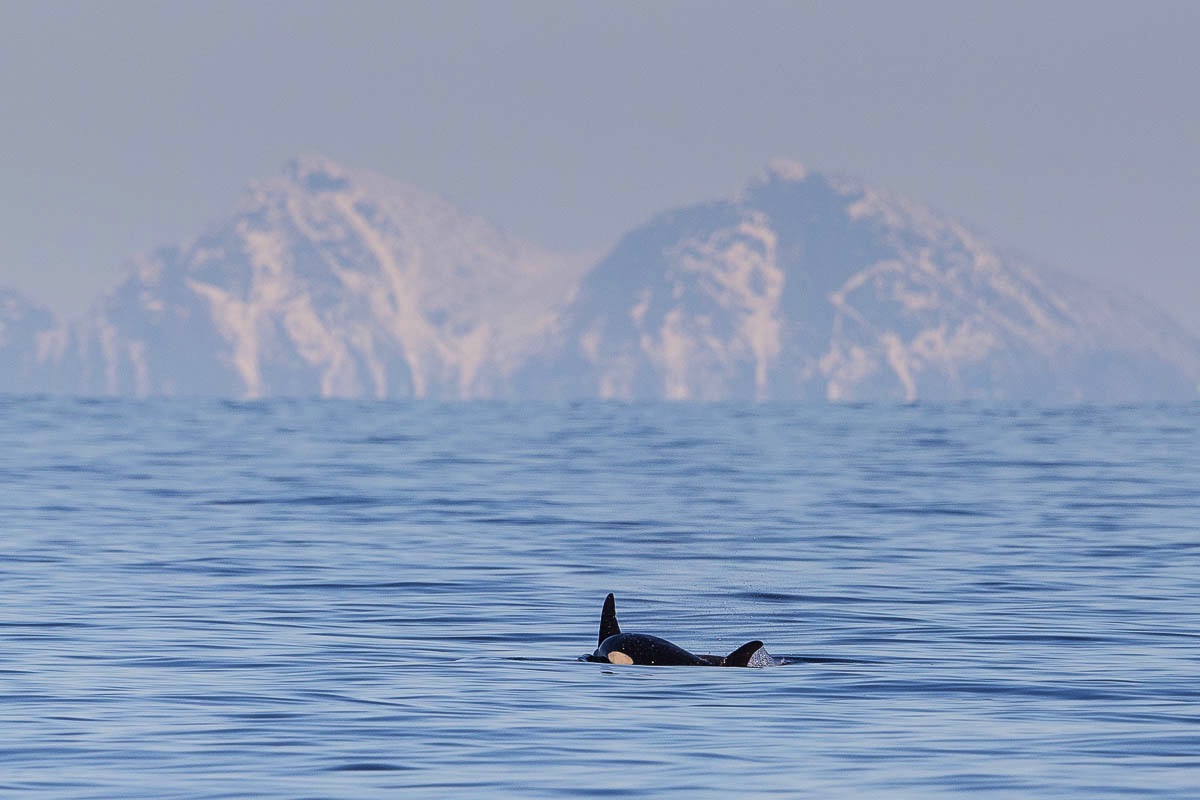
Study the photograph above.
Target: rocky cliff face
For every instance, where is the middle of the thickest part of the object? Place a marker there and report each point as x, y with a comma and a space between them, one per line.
332, 282
807, 287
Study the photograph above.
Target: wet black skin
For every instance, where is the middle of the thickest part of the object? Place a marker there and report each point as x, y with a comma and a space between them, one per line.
645, 649
614, 647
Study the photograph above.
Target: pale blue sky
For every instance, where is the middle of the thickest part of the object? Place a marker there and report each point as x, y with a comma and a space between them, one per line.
1069, 131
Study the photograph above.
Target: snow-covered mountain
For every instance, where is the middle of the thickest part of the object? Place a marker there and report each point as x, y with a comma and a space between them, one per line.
334, 282
330, 282
808, 287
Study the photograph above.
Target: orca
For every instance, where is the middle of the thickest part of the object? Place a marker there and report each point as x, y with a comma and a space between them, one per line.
615, 647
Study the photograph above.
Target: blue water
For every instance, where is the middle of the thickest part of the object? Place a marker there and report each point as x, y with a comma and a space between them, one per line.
351, 600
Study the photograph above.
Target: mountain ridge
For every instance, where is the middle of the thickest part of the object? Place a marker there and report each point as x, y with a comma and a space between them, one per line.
329, 281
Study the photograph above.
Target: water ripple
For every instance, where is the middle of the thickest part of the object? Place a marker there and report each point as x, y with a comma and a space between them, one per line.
333, 599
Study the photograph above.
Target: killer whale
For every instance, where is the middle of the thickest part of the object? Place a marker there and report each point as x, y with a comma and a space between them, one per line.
615, 647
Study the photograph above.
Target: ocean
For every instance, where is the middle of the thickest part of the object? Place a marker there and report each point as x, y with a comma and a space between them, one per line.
336, 599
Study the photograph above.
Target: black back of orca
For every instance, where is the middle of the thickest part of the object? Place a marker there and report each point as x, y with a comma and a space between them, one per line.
640, 648
614, 647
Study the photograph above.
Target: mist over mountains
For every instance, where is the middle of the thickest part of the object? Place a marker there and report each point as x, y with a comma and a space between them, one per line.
326, 281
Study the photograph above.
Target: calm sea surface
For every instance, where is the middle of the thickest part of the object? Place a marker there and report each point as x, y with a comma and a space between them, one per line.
351, 600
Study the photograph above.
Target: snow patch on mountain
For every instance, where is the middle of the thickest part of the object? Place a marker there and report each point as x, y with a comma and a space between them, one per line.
737, 270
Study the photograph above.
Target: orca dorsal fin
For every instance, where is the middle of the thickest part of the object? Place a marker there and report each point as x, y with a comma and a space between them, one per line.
608, 619
741, 657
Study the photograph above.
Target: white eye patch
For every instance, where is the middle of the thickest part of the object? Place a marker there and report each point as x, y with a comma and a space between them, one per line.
617, 657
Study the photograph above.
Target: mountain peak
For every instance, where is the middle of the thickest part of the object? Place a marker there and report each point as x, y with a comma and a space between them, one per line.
317, 173
784, 170
777, 172
808, 286
328, 281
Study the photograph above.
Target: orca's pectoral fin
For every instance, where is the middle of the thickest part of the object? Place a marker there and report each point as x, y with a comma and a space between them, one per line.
608, 619
741, 657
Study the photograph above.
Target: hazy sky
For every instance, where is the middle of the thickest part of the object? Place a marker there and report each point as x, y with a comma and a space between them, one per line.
1068, 131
